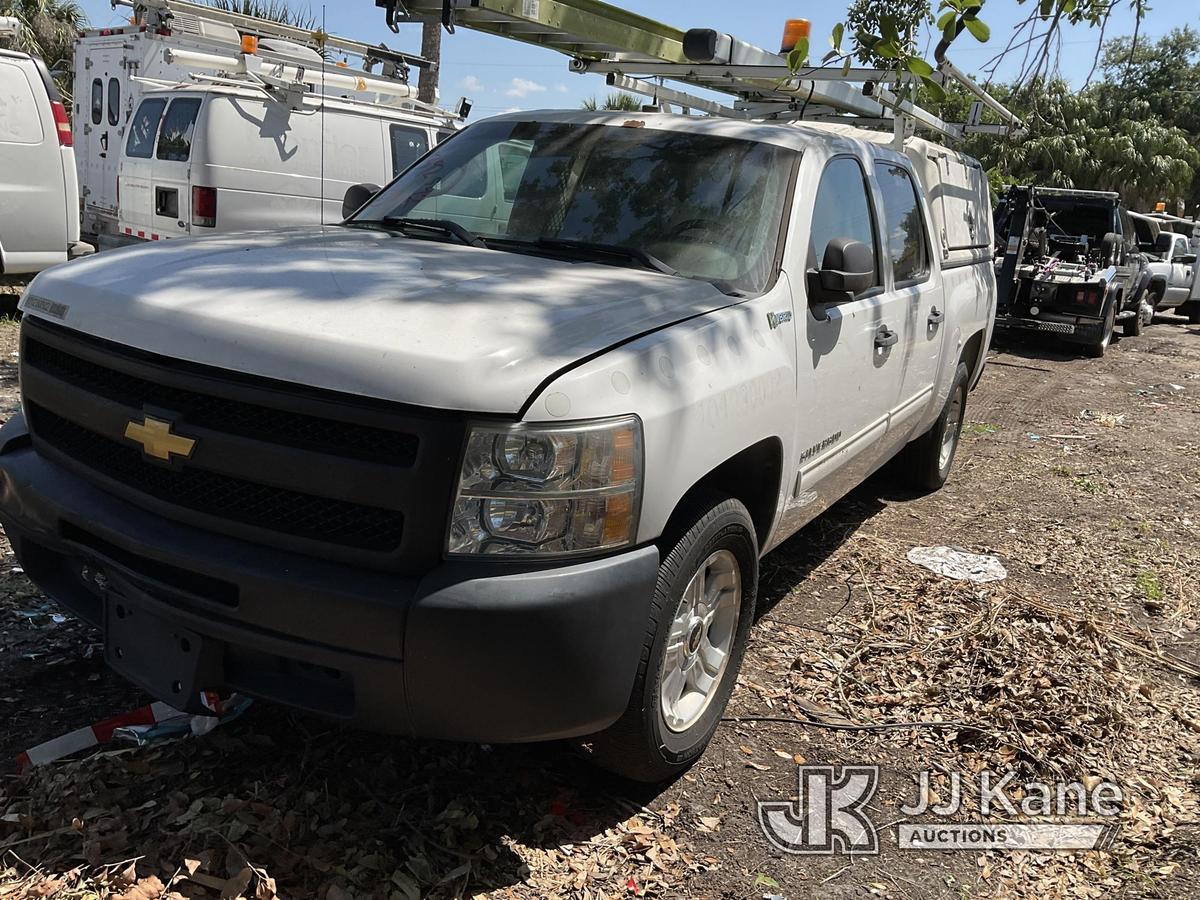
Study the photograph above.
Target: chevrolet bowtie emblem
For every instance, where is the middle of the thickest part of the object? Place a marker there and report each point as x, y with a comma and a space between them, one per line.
158, 440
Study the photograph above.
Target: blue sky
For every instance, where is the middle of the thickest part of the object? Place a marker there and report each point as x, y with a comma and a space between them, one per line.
500, 75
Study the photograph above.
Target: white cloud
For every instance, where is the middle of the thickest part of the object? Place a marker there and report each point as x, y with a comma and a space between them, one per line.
513, 109
523, 87
562, 88
472, 84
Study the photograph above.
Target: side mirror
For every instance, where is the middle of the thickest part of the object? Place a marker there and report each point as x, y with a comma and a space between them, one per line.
1187, 259
847, 269
357, 197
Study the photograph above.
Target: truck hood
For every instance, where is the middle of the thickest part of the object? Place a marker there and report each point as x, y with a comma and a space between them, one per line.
365, 312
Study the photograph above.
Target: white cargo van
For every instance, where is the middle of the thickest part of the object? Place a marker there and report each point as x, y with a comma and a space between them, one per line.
222, 158
39, 193
173, 43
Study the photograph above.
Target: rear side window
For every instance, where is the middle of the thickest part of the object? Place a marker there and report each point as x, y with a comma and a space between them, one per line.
145, 126
408, 145
114, 102
904, 232
97, 101
842, 210
179, 124
20, 120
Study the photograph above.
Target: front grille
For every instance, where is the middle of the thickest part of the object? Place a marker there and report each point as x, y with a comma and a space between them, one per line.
231, 416
212, 494
311, 471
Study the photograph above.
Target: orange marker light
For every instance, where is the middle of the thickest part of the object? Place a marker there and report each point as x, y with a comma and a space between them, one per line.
795, 30
249, 44
1160, 206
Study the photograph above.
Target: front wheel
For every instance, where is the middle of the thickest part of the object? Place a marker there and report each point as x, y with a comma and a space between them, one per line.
927, 461
700, 617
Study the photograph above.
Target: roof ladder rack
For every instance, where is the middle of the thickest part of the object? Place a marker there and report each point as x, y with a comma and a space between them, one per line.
637, 54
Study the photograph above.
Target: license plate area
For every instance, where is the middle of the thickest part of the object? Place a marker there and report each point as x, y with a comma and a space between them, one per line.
171, 663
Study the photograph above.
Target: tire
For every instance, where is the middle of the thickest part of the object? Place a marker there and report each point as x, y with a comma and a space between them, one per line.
1133, 327
928, 461
654, 741
1192, 311
1099, 348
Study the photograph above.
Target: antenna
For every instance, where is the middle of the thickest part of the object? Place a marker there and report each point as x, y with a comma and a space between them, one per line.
324, 65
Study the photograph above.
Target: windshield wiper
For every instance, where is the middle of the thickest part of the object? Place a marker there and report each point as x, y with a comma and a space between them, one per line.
593, 250
440, 226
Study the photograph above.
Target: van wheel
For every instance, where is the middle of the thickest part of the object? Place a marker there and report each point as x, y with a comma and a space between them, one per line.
927, 461
701, 613
1097, 350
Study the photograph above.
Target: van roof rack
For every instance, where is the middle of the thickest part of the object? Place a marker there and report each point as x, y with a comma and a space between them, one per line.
638, 54
160, 13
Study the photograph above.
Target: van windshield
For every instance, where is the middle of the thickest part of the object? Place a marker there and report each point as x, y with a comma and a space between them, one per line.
697, 205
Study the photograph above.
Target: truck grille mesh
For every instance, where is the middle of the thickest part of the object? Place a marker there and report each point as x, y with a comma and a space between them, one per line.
290, 512
250, 420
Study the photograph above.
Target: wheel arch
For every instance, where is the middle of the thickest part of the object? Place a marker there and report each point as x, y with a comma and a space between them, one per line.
972, 355
752, 476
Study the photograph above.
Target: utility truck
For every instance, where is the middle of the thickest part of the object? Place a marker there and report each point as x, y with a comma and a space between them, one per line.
497, 458
194, 120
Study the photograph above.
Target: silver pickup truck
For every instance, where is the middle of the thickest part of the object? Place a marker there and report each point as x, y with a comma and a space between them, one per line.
496, 459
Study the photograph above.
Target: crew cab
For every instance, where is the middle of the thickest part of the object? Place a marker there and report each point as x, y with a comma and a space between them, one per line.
1069, 263
499, 471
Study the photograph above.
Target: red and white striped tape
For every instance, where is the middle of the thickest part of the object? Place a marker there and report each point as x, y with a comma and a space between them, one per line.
102, 732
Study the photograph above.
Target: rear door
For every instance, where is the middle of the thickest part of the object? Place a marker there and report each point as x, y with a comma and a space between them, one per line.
136, 213
105, 114
915, 291
32, 226
171, 173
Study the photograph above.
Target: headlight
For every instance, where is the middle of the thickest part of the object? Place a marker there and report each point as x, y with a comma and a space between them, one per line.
544, 491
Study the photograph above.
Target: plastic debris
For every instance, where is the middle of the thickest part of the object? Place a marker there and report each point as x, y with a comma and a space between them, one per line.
959, 564
142, 726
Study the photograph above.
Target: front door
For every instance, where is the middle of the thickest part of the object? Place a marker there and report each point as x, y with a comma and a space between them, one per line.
851, 361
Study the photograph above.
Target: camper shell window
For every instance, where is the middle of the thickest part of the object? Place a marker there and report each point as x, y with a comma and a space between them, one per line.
178, 127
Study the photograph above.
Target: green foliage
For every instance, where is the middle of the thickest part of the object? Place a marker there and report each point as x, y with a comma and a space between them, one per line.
51, 27
274, 10
615, 101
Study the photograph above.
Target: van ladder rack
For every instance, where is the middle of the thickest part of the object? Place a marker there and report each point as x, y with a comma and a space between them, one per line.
630, 49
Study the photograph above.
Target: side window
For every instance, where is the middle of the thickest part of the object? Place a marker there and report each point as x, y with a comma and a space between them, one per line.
903, 228
408, 145
114, 102
472, 182
514, 157
140, 144
97, 101
842, 210
175, 141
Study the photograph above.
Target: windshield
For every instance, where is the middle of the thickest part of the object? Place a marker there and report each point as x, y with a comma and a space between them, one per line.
1074, 219
706, 207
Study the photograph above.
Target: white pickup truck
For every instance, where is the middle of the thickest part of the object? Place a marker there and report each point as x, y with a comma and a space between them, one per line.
497, 458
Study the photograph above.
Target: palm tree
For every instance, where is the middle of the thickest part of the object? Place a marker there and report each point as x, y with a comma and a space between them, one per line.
618, 101
51, 27
273, 10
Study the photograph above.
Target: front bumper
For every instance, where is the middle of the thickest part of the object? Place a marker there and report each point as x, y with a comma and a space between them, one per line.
476, 652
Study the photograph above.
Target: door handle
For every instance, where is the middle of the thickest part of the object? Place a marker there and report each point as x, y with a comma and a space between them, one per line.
885, 337
936, 317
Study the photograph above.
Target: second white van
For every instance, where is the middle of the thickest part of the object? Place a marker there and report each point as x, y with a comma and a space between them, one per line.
224, 158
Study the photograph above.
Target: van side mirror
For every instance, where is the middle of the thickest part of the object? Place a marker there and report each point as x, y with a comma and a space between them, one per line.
357, 197
1187, 259
847, 269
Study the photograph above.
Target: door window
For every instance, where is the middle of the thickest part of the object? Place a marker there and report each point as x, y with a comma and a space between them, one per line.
20, 122
145, 126
178, 126
514, 157
904, 230
114, 102
408, 145
842, 210
97, 101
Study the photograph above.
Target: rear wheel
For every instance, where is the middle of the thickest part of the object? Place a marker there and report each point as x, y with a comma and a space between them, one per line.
928, 460
702, 611
1192, 311
1100, 347
1133, 327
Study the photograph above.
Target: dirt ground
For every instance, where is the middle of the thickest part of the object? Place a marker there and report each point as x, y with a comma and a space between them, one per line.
1080, 475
